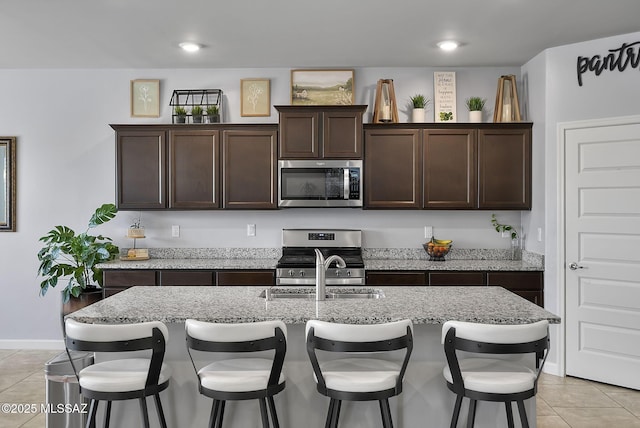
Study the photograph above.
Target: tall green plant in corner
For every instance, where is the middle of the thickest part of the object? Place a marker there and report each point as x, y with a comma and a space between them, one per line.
67, 254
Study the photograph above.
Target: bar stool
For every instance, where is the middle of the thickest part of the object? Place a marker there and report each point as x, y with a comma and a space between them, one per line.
239, 378
493, 379
121, 379
363, 377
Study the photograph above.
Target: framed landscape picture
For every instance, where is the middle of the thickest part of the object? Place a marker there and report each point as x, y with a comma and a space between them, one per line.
255, 97
145, 98
322, 87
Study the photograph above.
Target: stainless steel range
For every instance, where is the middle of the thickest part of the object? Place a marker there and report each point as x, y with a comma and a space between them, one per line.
297, 266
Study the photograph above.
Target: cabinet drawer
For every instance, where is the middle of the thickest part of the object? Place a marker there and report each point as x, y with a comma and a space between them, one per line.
181, 277
516, 280
396, 278
457, 278
266, 278
129, 278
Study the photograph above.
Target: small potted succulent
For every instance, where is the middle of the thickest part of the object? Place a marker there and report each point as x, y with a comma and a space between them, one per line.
181, 114
475, 106
213, 113
419, 103
196, 114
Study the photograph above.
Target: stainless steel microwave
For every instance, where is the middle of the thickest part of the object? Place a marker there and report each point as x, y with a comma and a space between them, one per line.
320, 183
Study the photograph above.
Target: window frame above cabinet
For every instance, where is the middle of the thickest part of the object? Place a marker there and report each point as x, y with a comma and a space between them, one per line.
320, 132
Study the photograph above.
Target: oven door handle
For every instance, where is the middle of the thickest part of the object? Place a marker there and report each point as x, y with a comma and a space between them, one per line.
312, 281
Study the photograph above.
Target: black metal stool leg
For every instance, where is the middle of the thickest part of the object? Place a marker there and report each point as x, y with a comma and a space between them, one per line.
214, 414
274, 414
332, 403
163, 421
385, 411
220, 414
107, 415
456, 412
93, 409
336, 413
145, 412
472, 414
509, 409
523, 414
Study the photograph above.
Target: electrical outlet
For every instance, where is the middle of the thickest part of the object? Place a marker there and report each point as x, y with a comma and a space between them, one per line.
251, 230
539, 234
175, 231
428, 232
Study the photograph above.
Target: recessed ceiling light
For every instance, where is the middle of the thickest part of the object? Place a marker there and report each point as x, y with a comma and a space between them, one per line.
190, 46
448, 45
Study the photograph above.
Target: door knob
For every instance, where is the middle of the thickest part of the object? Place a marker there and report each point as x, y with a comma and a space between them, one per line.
574, 266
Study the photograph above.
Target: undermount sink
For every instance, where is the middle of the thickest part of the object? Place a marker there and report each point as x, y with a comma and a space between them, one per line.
331, 293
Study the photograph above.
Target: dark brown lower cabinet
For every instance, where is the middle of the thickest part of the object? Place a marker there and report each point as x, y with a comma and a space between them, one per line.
529, 285
457, 278
182, 277
399, 278
265, 278
115, 281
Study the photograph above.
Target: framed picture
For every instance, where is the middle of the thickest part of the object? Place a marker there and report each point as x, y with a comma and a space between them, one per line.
444, 96
255, 97
145, 98
322, 87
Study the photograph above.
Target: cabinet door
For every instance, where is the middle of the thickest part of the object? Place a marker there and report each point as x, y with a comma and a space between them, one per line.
399, 278
392, 168
457, 278
299, 134
342, 134
193, 173
449, 165
504, 168
115, 281
529, 285
141, 170
265, 278
249, 169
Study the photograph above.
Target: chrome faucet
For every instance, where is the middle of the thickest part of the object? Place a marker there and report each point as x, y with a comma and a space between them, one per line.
321, 268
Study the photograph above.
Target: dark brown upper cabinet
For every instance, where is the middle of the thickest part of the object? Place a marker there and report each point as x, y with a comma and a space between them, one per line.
320, 132
194, 169
392, 168
449, 168
504, 167
141, 162
249, 170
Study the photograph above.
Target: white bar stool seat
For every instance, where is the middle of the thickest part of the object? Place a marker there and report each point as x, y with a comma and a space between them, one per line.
493, 379
239, 378
121, 379
360, 372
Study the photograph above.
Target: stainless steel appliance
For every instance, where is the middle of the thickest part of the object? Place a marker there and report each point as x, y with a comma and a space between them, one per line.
320, 183
297, 266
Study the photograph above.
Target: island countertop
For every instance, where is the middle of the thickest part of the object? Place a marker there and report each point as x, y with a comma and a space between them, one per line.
423, 305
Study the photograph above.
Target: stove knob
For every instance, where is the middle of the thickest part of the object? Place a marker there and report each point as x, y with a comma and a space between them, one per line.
291, 272
337, 272
301, 273
348, 273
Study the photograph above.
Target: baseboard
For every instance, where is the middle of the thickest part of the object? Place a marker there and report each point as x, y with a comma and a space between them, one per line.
32, 344
552, 369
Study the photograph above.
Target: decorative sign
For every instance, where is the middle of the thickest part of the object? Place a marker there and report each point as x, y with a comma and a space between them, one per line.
444, 95
616, 59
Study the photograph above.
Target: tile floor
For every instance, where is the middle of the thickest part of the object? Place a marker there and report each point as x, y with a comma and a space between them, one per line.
562, 402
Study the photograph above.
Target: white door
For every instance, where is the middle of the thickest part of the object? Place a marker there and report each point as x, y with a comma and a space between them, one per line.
602, 252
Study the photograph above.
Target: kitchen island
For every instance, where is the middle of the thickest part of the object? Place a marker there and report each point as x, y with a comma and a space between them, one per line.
425, 401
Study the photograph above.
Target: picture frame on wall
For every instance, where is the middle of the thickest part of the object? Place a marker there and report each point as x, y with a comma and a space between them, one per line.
444, 96
322, 87
255, 97
145, 98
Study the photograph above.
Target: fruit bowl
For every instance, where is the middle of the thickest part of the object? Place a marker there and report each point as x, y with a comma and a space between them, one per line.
437, 249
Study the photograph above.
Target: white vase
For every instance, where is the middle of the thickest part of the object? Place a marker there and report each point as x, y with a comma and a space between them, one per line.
417, 116
475, 116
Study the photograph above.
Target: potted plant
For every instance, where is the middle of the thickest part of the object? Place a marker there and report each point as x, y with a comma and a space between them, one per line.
419, 103
475, 106
516, 249
196, 114
181, 114
74, 256
213, 113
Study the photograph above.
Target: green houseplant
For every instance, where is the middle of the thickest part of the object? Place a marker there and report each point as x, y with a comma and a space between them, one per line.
67, 254
196, 114
475, 106
214, 114
419, 103
181, 114
516, 248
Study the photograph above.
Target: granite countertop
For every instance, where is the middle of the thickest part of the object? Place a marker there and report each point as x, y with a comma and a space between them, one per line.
452, 265
423, 305
191, 263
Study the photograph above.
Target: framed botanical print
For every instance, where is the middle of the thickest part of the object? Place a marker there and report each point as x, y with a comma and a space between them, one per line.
255, 97
145, 98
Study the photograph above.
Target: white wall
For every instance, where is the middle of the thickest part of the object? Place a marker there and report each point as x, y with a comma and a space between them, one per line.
66, 168
555, 98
